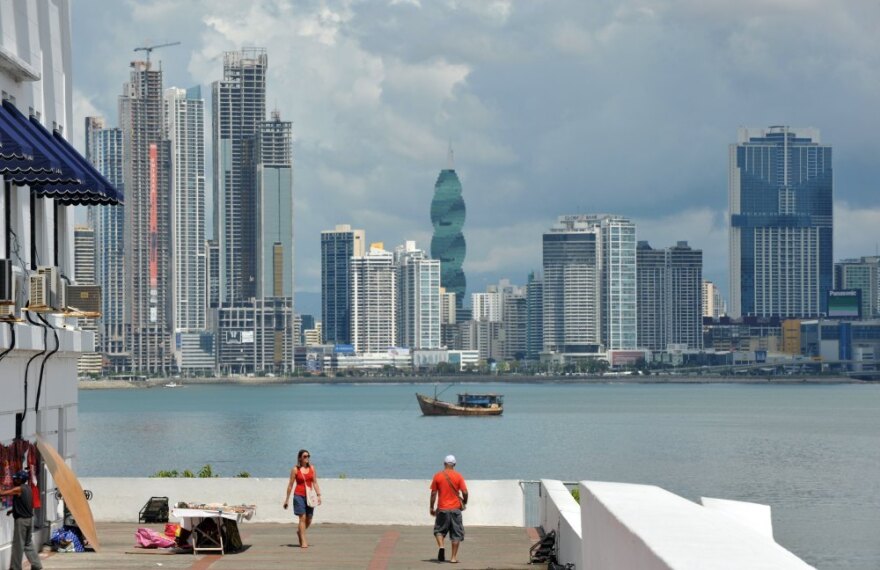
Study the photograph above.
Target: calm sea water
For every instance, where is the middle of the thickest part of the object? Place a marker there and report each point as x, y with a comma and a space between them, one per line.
811, 452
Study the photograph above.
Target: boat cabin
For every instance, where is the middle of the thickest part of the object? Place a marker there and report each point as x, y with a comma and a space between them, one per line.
480, 400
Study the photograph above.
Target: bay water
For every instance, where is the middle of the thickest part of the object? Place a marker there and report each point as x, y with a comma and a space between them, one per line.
811, 452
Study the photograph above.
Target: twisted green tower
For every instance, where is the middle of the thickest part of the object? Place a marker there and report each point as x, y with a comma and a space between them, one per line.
447, 244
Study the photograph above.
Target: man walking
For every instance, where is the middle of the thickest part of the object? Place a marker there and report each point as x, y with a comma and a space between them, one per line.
452, 491
23, 513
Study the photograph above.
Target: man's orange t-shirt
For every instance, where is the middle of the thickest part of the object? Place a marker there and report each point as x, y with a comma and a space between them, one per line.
448, 495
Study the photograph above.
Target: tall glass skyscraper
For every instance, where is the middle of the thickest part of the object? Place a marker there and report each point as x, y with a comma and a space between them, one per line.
239, 107
447, 244
272, 162
104, 150
780, 223
338, 246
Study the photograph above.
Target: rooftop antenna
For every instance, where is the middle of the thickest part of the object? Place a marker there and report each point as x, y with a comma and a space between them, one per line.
450, 158
149, 49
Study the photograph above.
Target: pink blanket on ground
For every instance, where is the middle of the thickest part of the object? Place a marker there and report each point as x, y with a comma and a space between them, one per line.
147, 538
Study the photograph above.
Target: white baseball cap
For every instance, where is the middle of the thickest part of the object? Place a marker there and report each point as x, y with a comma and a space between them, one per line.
450, 459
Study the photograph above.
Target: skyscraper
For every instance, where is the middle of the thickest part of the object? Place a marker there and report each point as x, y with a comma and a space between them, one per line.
84, 274
590, 284
713, 302
104, 151
780, 223
862, 274
272, 156
447, 244
338, 246
572, 305
239, 107
418, 298
373, 300
619, 318
185, 124
147, 220
669, 296
534, 316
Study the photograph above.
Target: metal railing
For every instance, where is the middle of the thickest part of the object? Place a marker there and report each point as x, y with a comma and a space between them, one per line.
532, 500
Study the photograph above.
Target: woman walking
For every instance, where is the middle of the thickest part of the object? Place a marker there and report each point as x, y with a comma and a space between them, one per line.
303, 481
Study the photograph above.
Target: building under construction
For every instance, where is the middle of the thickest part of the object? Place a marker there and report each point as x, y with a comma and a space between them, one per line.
147, 219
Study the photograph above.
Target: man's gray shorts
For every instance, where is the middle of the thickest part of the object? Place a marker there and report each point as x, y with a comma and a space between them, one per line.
449, 522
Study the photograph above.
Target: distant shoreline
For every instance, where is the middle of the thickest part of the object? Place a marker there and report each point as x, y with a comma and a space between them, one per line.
113, 384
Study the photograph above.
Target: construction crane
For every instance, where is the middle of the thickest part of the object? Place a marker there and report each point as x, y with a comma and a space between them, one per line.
149, 49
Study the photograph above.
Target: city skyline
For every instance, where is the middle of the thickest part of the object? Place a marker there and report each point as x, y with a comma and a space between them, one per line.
527, 150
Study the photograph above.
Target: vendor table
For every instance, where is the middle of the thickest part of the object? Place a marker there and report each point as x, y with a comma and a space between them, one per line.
191, 518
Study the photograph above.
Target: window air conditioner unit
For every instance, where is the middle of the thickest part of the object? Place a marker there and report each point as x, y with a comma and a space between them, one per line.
39, 293
54, 285
83, 298
7, 289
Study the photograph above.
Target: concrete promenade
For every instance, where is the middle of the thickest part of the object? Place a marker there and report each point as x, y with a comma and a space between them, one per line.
342, 546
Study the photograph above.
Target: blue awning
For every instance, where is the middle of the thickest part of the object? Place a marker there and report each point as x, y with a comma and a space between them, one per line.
31, 155
45, 166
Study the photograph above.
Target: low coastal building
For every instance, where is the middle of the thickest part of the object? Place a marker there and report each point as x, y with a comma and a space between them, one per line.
43, 177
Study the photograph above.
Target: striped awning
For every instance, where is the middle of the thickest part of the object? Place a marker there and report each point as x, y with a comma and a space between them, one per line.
31, 155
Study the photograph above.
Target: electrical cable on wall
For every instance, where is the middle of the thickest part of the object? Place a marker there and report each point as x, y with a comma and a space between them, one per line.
32, 358
43, 365
11, 340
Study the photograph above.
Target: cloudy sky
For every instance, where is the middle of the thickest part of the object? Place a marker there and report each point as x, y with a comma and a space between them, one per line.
552, 107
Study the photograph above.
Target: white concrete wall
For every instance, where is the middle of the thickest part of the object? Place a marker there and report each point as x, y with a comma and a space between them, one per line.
646, 527
351, 501
560, 512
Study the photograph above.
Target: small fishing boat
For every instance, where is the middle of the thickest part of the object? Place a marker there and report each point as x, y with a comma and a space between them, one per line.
173, 384
467, 405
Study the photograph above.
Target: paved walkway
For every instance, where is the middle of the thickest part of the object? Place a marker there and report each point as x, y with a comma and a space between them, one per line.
330, 546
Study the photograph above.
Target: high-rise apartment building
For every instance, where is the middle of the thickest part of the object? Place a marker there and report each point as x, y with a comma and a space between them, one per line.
272, 161
338, 247
449, 336
713, 302
514, 325
239, 107
619, 315
104, 150
212, 286
780, 223
185, 127
486, 306
147, 220
185, 123
418, 298
448, 244
669, 296
862, 274
84, 274
590, 284
572, 299
534, 316
373, 300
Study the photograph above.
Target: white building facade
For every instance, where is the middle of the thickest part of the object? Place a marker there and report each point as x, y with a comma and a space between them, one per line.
37, 230
185, 126
418, 298
373, 300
